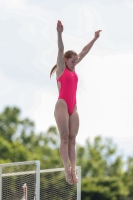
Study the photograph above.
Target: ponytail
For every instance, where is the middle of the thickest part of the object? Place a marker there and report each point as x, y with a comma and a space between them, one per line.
53, 70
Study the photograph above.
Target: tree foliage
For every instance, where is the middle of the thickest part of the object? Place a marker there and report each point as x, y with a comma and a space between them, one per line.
102, 171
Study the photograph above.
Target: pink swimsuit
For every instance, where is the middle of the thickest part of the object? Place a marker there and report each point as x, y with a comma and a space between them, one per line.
68, 88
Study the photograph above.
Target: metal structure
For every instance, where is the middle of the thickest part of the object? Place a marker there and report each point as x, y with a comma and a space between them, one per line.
25, 181
19, 177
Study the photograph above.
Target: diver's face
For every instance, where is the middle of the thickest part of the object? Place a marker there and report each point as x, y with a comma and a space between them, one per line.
71, 62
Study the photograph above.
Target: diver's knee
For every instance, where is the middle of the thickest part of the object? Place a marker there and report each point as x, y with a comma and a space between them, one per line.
64, 137
72, 140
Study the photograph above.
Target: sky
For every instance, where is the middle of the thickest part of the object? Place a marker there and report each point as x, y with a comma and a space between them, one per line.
28, 51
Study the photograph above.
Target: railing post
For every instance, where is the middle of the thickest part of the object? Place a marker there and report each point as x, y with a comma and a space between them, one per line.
37, 186
79, 183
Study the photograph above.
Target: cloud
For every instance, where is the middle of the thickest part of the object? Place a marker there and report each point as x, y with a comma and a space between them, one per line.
26, 41
28, 49
14, 5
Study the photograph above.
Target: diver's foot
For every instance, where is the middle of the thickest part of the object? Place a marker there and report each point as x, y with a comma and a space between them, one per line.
74, 175
68, 174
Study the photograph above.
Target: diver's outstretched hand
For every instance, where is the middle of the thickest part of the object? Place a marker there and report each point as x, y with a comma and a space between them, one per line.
97, 34
59, 27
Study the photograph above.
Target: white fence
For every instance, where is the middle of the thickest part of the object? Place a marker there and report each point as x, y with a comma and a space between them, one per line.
16, 179
25, 181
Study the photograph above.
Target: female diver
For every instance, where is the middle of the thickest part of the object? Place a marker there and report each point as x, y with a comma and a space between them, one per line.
65, 113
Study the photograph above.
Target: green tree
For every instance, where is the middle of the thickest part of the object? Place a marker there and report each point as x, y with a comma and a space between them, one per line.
128, 177
19, 142
102, 171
